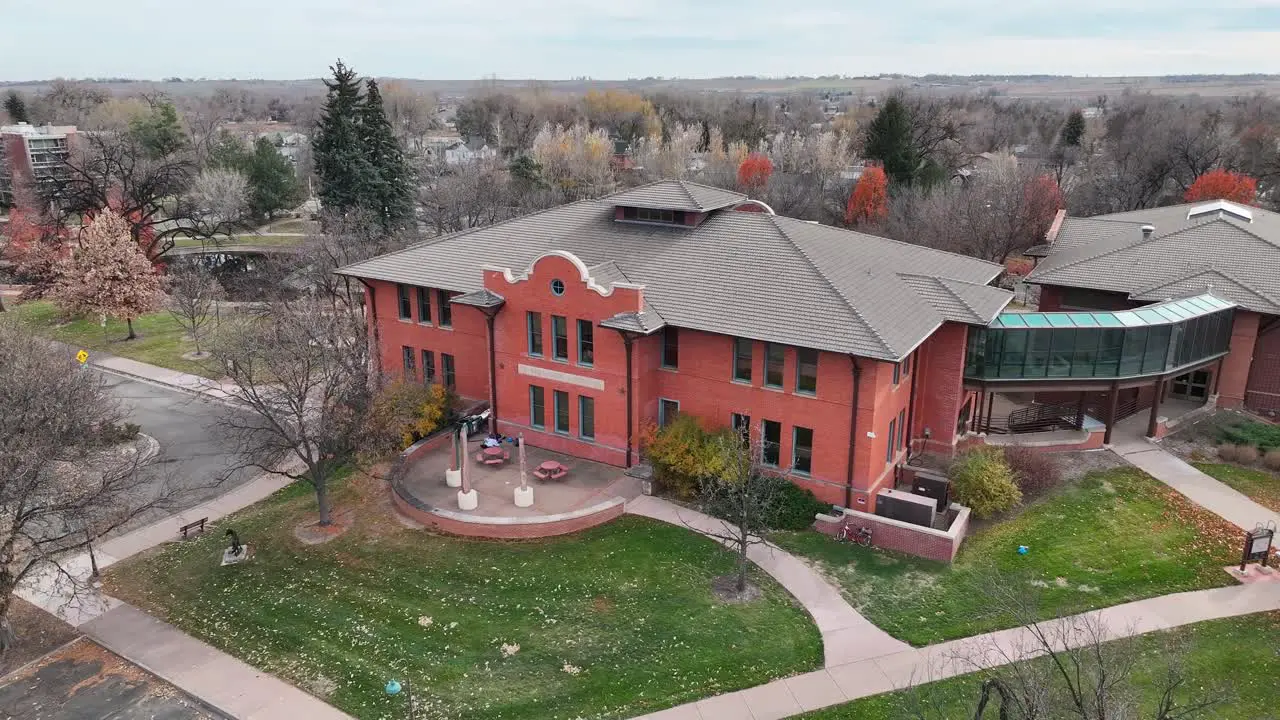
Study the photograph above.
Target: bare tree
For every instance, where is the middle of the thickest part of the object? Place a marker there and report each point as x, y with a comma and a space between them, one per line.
193, 297
347, 239
61, 489
743, 497
219, 197
302, 372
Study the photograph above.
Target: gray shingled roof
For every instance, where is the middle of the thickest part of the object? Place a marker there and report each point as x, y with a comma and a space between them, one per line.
482, 298
677, 195
752, 275
960, 301
1235, 259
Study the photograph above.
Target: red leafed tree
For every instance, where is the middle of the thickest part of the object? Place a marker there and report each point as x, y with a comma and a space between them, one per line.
869, 201
1223, 185
36, 245
754, 172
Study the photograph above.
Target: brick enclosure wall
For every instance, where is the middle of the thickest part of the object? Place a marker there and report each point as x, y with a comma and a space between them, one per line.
507, 531
1235, 367
900, 536
941, 395
1263, 394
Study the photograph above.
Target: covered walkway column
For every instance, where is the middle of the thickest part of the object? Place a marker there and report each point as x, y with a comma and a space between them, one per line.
1155, 409
1113, 397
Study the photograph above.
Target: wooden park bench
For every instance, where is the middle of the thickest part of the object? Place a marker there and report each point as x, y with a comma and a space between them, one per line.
197, 525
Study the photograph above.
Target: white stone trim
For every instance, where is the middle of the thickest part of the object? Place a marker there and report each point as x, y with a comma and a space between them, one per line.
584, 275
560, 376
527, 520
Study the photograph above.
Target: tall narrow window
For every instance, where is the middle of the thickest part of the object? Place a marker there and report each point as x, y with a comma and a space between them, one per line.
670, 348
587, 417
742, 359
447, 369
906, 365
537, 406
889, 441
902, 428
774, 361
406, 353
406, 306
897, 373
807, 371
559, 338
771, 443
424, 305
446, 308
428, 366
533, 321
561, 400
802, 450
742, 425
668, 411
586, 343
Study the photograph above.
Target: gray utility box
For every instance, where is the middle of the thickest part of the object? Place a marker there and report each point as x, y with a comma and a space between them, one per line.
933, 485
906, 507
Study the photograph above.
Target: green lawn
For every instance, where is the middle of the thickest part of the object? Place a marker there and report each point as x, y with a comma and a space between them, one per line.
161, 340
610, 623
247, 239
1262, 486
1236, 653
1112, 537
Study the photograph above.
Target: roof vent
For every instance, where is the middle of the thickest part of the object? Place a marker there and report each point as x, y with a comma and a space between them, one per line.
1147, 231
1221, 208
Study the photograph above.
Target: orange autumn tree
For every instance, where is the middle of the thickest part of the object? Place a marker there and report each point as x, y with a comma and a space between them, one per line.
869, 201
754, 172
1223, 185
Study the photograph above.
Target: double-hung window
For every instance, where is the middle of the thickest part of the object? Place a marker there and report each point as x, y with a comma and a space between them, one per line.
407, 353
559, 338
670, 348
806, 371
533, 324
902, 428
742, 359
428, 366
405, 305
587, 417
742, 425
561, 400
771, 443
537, 406
775, 357
890, 441
447, 369
424, 305
446, 308
668, 411
802, 450
586, 343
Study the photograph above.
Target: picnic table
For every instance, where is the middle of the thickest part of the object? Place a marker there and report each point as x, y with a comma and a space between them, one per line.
550, 470
493, 455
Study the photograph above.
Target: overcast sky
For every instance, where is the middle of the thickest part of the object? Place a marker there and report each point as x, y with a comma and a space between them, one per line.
609, 39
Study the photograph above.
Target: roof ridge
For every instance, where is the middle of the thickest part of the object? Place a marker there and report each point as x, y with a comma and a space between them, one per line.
1169, 280
688, 193
839, 293
945, 283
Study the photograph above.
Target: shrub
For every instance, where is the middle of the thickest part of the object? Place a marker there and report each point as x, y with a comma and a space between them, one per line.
1034, 471
682, 453
404, 412
1246, 454
117, 433
1261, 435
1272, 460
795, 506
1228, 452
983, 481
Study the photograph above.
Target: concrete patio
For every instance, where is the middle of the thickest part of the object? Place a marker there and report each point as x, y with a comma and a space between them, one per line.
587, 483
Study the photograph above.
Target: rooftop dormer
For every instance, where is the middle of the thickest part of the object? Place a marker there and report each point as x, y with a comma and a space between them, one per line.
1220, 208
671, 202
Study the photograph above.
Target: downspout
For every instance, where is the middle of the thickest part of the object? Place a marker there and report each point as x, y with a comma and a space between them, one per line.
627, 340
493, 373
371, 308
911, 407
853, 431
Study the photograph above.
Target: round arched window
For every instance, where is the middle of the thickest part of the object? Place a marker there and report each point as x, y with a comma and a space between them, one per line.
557, 287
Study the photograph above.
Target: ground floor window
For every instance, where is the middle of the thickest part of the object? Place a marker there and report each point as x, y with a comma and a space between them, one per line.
902, 428
587, 417
561, 399
742, 424
802, 450
428, 366
668, 410
888, 446
537, 406
771, 443
406, 353
1192, 386
446, 365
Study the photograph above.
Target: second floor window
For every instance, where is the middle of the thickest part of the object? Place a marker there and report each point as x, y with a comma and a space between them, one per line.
424, 305
446, 309
891, 440
533, 321
742, 359
806, 371
405, 304
774, 361
586, 343
670, 348
559, 338
771, 443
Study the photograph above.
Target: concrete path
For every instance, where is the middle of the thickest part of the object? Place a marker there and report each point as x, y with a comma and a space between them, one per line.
1201, 489
230, 686
185, 382
838, 684
846, 635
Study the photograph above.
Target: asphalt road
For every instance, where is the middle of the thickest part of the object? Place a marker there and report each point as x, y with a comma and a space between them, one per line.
196, 456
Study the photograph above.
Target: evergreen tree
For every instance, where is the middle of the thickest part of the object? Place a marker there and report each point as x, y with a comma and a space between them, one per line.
273, 185
1072, 130
16, 108
159, 132
391, 195
889, 141
342, 165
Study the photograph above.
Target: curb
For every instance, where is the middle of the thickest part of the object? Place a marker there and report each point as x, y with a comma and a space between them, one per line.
150, 450
202, 395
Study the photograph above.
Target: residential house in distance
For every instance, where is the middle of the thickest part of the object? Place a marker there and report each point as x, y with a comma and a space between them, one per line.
32, 153
579, 324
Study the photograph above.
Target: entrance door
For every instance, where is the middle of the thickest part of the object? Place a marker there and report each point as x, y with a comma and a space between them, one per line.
1192, 386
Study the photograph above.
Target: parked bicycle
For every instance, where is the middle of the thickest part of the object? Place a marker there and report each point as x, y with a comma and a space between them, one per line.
861, 536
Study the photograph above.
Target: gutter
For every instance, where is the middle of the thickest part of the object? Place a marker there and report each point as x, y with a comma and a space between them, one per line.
853, 430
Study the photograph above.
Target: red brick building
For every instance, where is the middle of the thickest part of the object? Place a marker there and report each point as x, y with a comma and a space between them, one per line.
580, 323
1133, 259
32, 155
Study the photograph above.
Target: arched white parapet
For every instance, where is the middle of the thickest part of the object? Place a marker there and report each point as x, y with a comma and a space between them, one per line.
756, 203
583, 273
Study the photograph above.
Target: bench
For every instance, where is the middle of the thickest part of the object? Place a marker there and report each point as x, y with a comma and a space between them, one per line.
550, 471
197, 525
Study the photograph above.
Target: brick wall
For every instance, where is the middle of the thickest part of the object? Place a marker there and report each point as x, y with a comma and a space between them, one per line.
1236, 366
1263, 394
903, 537
466, 340
941, 395
519, 529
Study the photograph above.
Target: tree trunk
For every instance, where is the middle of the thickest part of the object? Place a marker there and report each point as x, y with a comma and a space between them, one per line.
8, 638
742, 566
322, 499
2, 303
132, 334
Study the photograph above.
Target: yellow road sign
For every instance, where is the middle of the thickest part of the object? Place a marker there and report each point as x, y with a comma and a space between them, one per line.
82, 357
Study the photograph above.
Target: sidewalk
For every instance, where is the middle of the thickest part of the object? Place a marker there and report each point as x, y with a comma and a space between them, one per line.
163, 376
838, 684
846, 635
1208, 493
